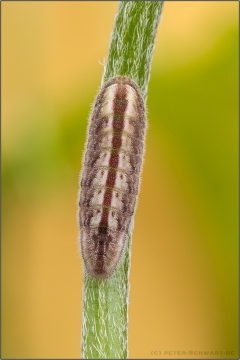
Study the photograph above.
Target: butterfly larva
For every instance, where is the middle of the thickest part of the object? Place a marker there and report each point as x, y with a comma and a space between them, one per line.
110, 176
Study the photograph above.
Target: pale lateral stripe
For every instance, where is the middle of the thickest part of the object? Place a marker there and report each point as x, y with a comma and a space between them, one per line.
123, 162
117, 201
95, 220
103, 159
112, 220
97, 198
132, 100
121, 181
100, 179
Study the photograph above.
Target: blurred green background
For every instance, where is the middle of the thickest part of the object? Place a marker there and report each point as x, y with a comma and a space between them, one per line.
184, 282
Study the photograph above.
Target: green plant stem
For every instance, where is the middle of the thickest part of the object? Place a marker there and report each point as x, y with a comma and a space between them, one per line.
132, 41
105, 302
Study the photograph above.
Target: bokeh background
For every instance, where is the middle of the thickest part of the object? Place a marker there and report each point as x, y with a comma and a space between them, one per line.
185, 242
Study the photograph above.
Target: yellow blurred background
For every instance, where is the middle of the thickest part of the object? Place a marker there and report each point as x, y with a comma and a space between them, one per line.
184, 282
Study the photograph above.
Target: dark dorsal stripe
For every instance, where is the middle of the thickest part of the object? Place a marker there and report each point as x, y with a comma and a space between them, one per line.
119, 107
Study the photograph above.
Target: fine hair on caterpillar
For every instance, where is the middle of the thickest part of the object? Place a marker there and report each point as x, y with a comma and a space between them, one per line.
111, 174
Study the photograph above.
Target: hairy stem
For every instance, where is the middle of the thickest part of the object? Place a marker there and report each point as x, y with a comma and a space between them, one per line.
105, 302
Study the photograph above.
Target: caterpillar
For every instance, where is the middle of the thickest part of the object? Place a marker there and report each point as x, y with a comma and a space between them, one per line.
111, 173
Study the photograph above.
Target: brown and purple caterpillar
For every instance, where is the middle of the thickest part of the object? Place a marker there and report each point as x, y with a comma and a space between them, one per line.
111, 174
